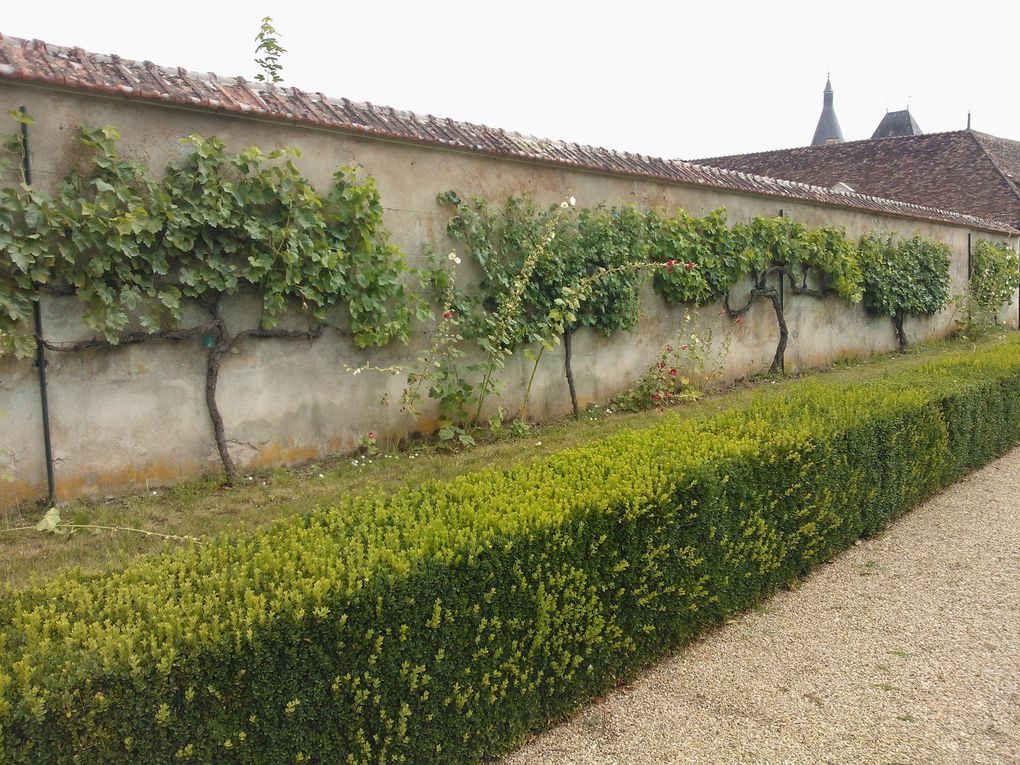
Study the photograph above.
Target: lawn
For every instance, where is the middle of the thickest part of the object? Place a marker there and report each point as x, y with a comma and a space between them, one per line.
205, 508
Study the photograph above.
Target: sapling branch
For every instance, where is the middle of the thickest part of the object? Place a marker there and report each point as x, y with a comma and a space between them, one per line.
527, 392
563, 318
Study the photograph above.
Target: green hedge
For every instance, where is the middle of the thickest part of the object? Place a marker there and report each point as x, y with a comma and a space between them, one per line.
443, 623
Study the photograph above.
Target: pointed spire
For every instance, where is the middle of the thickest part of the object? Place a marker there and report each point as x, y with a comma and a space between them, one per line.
828, 126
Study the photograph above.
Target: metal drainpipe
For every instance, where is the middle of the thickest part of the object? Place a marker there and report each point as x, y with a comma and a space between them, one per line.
40, 351
782, 281
970, 267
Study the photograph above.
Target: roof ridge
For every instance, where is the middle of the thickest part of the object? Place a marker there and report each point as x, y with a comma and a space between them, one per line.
110, 74
826, 147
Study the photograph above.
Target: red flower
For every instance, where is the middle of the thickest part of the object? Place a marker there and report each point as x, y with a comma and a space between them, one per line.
371, 434
740, 320
447, 314
690, 266
672, 373
669, 349
683, 347
662, 365
655, 397
669, 265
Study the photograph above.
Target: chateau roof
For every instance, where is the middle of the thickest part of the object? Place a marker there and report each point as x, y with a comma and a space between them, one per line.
39, 63
897, 123
965, 170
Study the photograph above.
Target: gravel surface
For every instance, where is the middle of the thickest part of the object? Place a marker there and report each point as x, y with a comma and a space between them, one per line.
906, 649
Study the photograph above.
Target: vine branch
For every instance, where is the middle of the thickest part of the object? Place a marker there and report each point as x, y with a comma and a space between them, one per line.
97, 527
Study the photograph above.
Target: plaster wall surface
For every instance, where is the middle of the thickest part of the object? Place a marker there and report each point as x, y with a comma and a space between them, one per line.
136, 416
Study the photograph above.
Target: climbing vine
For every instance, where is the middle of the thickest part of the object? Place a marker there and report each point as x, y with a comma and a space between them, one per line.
797, 257
155, 258
712, 259
994, 279
707, 262
904, 277
139, 252
539, 253
562, 268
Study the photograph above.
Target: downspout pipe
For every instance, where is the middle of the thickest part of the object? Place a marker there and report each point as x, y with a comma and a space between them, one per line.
40, 351
782, 281
970, 259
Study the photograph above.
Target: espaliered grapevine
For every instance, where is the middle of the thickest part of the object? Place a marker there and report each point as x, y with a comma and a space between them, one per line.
137, 252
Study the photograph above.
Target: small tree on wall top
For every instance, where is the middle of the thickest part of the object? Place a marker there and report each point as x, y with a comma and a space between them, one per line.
268, 53
143, 255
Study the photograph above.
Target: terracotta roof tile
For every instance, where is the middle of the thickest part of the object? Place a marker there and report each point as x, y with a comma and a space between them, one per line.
1005, 154
964, 170
35, 61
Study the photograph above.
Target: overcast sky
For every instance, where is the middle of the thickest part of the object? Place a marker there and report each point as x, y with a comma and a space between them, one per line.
677, 79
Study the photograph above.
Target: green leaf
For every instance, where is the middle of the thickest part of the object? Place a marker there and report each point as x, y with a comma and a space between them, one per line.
21, 117
50, 521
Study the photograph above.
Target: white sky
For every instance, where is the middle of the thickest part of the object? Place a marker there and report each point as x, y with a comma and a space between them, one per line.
677, 79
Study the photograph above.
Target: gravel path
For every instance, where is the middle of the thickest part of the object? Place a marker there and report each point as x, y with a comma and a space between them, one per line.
905, 650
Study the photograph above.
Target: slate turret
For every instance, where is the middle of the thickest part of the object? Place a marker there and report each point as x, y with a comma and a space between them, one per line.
828, 126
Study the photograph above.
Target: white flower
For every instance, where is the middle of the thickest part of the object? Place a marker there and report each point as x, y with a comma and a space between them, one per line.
453, 256
552, 235
457, 261
573, 202
564, 205
357, 371
321, 475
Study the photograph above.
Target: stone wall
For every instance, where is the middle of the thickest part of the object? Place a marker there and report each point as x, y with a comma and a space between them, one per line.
136, 416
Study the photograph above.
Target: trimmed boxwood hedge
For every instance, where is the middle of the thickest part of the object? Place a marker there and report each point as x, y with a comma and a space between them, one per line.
442, 623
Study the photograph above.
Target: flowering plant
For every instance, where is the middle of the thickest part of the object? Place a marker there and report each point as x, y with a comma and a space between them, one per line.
368, 444
679, 373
